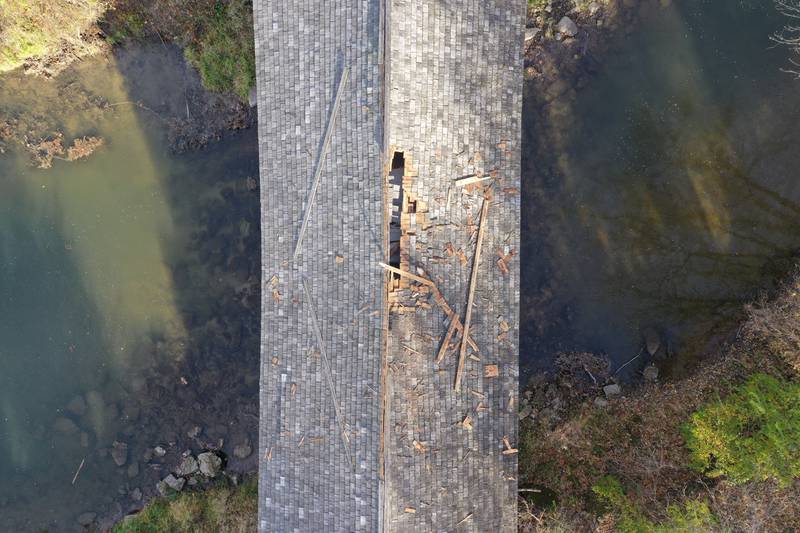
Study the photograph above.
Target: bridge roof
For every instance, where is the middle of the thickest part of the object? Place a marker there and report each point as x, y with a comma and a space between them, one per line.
361, 428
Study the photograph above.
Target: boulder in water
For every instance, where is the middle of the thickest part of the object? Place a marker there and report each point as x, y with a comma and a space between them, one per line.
187, 466
210, 464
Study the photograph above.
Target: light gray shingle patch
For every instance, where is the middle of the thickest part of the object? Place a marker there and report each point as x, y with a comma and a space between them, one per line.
454, 94
306, 480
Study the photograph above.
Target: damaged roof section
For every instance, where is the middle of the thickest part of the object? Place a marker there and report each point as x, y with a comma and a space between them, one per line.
454, 97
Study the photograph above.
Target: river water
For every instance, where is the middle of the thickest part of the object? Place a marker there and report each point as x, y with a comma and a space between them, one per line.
128, 293
662, 195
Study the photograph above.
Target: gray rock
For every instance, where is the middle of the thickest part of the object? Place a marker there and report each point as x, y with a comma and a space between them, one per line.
65, 425
87, 519
175, 483
133, 469
194, 432
650, 373
594, 7
187, 466
612, 390
136, 494
210, 464
77, 406
119, 452
252, 97
652, 340
600, 402
531, 33
242, 451
525, 412
567, 27
159, 451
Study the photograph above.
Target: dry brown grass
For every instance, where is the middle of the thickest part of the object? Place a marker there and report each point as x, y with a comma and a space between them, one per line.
46, 35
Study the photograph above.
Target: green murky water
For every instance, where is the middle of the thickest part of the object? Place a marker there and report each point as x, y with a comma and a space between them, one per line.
664, 194
107, 288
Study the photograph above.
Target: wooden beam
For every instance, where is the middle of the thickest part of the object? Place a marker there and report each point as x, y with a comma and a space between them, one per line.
409, 275
449, 335
320, 161
471, 294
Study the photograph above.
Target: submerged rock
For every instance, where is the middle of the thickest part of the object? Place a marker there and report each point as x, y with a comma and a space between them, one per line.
242, 451
119, 452
652, 340
136, 494
65, 425
133, 469
77, 406
87, 519
210, 464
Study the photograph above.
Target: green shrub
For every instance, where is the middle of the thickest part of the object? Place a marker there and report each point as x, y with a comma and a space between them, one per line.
694, 516
129, 26
753, 434
225, 52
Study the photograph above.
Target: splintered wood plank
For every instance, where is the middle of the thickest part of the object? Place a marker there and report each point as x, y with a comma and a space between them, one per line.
471, 294
407, 274
446, 342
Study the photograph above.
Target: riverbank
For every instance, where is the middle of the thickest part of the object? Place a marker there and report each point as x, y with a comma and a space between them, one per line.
576, 432
213, 40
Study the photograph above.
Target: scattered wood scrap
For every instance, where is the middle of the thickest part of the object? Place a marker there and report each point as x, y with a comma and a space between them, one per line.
447, 337
404, 273
509, 449
490, 371
471, 294
469, 180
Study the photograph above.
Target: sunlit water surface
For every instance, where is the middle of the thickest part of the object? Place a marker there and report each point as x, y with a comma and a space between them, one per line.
88, 299
665, 193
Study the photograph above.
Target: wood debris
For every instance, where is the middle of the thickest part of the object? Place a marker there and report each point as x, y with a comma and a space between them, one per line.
409, 510
471, 294
420, 447
491, 371
509, 449
464, 519
293, 390
467, 422
469, 180
339, 259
